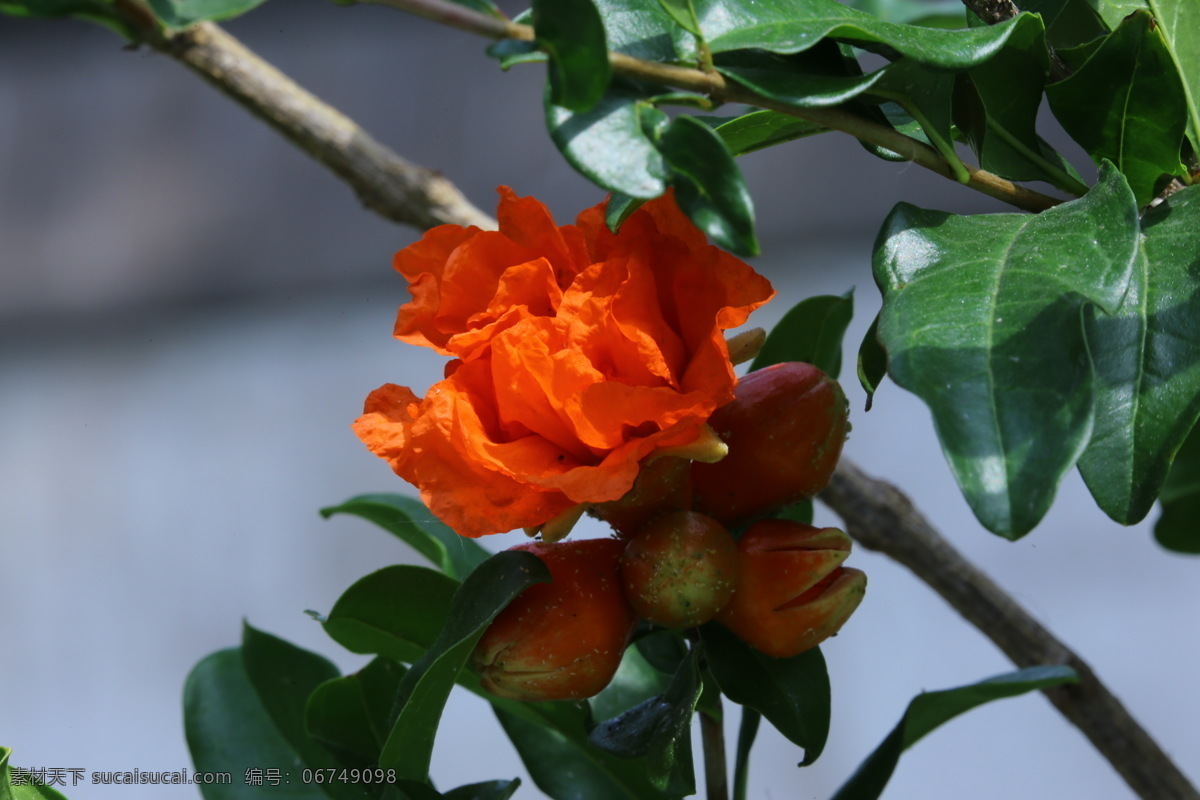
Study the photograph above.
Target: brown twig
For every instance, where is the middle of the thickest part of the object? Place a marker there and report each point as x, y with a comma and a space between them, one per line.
386, 183
882, 518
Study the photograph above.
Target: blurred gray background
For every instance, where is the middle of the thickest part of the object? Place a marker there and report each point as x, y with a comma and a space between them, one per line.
191, 313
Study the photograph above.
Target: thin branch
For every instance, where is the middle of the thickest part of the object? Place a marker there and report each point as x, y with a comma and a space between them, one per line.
715, 85
882, 518
386, 183
712, 737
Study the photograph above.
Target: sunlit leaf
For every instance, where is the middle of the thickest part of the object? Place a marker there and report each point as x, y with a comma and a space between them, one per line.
1147, 361
969, 305
181, 13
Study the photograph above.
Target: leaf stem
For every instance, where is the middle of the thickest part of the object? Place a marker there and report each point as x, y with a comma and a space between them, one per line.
715, 85
712, 736
746, 734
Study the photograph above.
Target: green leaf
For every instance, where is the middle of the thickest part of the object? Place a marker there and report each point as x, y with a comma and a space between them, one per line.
98, 11
1127, 104
350, 715
1069, 23
682, 12
638, 28
510, 52
1147, 361
572, 34
619, 207
872, 362
759, 129
792, 693
660, 730
565, 767
181, 13
969, 304
926, 96
283, 676
790, 26
229, 730
410, 521
1179, 23
927, 711
396, 612
1176, 528
423, 692
1000, 120
607, 144
796, 80
709, 187
812, 332
21, 786
930, 13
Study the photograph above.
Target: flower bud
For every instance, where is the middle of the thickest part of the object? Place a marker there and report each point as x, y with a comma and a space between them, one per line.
793, 592
561, 640
680, 570
785, 428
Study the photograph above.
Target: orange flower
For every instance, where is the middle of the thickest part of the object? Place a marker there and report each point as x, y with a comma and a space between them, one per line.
580, 354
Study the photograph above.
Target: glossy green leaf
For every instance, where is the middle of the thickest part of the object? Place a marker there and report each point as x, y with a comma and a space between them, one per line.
760, 129
1179, 22
932, 709
423, 692
1069, 23
790, 26
930, 13
709, 187
572, 34
396, 612
350, 715
1127, 104
618, 209
181, 13
410, 521
20, 785
792, 693
969, 304
640, 28
1176, 527
926, 95
793, 79
660, 731
682, 12
1000, 120
607, 144
812, 332
872, 362
1147, 361
510, 52
566, 767
98, 11
283, 676
229, 730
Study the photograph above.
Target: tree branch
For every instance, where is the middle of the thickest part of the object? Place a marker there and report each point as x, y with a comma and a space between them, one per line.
714, 85
882, 518
386, 183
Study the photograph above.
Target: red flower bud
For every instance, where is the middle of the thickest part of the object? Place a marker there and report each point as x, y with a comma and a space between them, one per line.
561, 640
785, 429
793, 592
680, 570
663, 485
